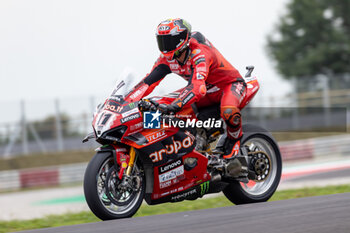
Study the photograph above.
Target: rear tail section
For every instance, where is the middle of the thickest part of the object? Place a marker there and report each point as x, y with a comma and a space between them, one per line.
252, 86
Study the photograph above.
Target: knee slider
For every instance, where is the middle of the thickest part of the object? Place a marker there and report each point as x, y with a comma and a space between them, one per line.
231, 115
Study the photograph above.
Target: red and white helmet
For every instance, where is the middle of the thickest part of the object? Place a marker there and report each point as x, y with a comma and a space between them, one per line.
173, 36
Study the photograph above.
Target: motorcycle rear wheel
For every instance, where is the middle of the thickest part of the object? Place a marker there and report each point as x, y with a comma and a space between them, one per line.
98, 170
257, 139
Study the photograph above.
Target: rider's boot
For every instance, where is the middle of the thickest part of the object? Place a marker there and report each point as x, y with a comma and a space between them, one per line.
227, 147
232, 147
220, 145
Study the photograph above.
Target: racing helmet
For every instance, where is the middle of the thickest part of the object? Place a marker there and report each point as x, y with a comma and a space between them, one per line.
173, 36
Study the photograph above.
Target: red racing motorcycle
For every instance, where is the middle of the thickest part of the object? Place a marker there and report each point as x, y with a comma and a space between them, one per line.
161, 158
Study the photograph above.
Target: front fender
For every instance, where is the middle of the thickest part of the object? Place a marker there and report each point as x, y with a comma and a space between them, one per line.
120, 154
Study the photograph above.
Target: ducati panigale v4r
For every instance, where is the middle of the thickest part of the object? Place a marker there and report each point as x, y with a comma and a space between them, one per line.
171, 164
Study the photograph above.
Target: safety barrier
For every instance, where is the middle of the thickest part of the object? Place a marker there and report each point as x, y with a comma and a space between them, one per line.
338, 145
42, 177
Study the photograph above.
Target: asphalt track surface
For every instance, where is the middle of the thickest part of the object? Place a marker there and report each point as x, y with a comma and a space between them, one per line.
322, 214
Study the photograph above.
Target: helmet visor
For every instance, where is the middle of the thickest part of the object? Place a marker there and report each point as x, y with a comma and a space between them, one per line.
168, 43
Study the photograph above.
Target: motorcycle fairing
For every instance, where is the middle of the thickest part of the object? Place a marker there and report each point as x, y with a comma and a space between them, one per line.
168, 184
252, 88
168, 149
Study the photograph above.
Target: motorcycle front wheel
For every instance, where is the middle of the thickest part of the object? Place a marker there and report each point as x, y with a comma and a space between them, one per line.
103, 192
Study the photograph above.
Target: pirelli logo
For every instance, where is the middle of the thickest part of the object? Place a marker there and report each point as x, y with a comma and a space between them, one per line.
204, 188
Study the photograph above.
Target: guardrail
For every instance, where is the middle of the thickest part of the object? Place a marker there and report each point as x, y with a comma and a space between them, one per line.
72, 173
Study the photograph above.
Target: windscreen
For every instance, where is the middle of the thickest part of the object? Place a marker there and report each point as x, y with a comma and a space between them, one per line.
124, 85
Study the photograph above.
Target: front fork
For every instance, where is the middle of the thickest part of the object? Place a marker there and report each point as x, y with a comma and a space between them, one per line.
124, 160
133, 182
132, 155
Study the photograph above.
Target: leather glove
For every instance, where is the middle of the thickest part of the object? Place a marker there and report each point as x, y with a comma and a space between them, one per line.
168, 108
144, 105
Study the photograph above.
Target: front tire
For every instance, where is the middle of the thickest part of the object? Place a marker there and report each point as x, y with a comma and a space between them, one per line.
257, 139
98, 170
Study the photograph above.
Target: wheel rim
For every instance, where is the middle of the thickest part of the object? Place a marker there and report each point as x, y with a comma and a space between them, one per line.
103, 197
258, 188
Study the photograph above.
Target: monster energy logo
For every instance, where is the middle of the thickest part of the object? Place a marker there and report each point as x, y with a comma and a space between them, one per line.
132, 105
204, 187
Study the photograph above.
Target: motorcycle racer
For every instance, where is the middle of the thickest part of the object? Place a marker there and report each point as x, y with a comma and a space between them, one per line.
211, 78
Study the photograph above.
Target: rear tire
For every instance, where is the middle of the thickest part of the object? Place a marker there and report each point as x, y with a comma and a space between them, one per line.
239, 193
97, 201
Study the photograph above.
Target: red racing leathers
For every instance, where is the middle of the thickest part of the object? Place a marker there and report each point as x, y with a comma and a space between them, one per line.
211, 80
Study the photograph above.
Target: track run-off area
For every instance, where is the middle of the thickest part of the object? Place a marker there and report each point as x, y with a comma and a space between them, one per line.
322, 214
39, 203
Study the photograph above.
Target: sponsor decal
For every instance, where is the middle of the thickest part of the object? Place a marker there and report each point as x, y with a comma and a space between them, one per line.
250, 79
195, 52
128, 113
120, 108
199, 76
151, 120
183, 93
166, 184
172, 191
181, 41
121, 150
171, 149
164, 28
156, 136
112, 105
138, 92
202, 68
129, 118
183, 195
170, 175
164, 194
202, 59
174, 66
239, 88
188, 98
115, 97
198, 57
169, 166
132, 105
136, 126
204, 187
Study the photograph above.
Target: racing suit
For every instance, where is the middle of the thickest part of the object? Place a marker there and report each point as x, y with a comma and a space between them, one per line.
211, 80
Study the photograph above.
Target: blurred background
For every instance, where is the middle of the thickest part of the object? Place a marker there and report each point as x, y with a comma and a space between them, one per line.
59, 59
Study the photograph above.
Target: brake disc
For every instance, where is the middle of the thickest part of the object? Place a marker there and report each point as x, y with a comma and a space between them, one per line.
260, 163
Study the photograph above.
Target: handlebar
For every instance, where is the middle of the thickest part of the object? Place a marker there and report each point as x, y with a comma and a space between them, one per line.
148, 105
151, 105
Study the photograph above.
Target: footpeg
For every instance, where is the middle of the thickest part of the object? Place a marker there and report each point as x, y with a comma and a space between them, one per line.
237, 167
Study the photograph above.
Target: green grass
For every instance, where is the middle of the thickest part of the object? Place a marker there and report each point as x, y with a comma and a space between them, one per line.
145, 210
